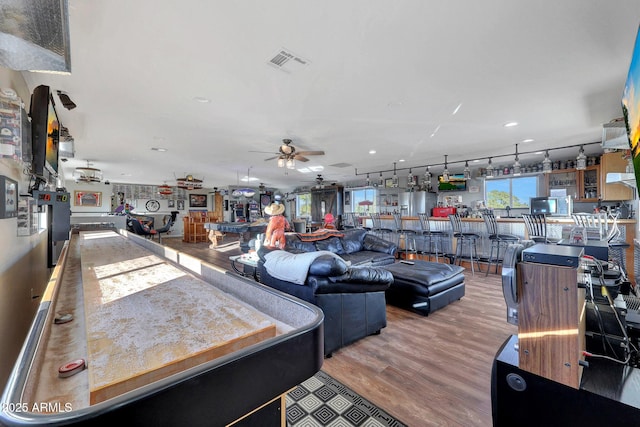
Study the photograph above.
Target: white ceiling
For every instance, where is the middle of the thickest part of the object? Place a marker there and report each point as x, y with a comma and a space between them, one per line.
381, 75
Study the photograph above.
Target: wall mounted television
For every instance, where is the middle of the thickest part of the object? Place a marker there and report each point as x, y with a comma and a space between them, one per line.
45, 132
456, 183
631, 106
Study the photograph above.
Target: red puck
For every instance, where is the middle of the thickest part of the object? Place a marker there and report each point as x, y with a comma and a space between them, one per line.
71, 368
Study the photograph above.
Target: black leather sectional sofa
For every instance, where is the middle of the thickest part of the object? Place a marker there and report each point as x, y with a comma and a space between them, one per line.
349, 288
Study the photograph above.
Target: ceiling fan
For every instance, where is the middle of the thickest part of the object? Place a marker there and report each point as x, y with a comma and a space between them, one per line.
287, 153
321, 182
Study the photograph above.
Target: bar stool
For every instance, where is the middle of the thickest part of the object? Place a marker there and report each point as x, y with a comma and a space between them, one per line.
435, 237
376, 226
536, 225
407, 235
463, 237
497, 240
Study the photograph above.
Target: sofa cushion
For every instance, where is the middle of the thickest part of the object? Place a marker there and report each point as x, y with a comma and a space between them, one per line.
369, 258
327, 265
332, 244
374, 243
295, 244
352, 240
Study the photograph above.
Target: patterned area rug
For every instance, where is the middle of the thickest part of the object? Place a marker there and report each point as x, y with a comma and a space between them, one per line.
324, 401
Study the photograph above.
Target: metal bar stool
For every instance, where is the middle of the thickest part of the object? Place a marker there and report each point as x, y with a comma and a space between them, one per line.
536, 225
497, 239
434, 237
463, 237
376, 226
407, 236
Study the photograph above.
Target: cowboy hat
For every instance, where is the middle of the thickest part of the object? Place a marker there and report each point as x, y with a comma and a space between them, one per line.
274, 209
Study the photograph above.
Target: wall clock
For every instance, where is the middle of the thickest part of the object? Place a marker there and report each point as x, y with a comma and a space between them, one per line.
152, 205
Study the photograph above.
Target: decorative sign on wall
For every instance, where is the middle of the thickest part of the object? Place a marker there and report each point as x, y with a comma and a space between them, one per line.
90, 199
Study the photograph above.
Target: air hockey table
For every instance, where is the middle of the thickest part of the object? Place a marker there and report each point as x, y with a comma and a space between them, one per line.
166, 339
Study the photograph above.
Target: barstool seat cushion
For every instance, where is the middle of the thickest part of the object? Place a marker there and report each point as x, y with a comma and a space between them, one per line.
504, 237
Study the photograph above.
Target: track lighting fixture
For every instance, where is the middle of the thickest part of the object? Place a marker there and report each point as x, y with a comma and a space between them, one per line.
547, 167
445, 172
466, 171
517, 167
581, 160
395, 176
380, 180
410, 181
490, 169
368, 183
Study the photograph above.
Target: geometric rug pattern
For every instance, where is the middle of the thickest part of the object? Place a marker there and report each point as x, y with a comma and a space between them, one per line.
324, 401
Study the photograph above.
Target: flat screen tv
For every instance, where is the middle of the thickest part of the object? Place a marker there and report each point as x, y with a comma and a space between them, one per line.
45, 132
456, 183
631, 106
543, 205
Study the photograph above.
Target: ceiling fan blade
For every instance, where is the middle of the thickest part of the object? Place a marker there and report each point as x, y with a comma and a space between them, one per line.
310, 153
271, 158
265, 152
300, 158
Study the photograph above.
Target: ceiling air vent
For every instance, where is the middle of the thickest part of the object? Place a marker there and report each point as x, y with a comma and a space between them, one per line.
614, 135
287, 61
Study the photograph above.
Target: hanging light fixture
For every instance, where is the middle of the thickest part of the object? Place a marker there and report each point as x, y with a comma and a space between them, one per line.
547, 167
410, 181
517, 167
380, 180
581, 160
165, 190
395, 176
445, 172
427, 179
368, 183
466, 171
281, 162
291, 163
490, 169
88, 174
189, 183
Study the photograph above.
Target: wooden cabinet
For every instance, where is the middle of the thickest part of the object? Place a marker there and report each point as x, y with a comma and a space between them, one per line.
582, 185
613, 162
194, 231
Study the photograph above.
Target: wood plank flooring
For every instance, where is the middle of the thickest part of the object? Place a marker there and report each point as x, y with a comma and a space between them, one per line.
433, 370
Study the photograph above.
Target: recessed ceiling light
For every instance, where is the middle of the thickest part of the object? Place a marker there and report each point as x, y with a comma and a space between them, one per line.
539, 152
201, 99
510, 124
401, 160
372, 151
457, 109
476, 161
159, 149
527, 140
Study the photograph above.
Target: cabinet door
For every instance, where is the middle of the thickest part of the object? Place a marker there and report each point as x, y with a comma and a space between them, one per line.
564, 179
590, 180
613, 162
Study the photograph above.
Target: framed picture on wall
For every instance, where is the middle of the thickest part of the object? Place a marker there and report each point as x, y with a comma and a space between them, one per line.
171, 203
90, 199
180, 205
197, 200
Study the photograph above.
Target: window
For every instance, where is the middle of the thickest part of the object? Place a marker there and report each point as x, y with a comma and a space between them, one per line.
512, 192
363, 201
303, 205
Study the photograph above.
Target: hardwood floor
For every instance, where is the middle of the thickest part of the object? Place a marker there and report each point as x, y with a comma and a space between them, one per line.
433, 370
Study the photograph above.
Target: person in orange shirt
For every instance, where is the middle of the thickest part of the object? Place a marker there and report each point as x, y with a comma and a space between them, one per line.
274, 236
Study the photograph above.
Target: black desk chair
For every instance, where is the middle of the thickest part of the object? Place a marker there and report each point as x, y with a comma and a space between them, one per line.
497, 239
141, 230
170, 220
